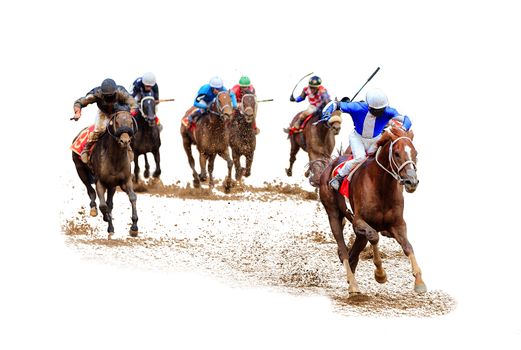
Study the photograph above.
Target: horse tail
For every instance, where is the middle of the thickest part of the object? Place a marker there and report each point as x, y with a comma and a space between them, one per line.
315, 168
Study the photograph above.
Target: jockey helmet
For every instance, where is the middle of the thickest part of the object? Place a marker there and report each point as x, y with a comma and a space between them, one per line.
376, 99
244, 81
149, 79
108, 87
216, 83
315, 81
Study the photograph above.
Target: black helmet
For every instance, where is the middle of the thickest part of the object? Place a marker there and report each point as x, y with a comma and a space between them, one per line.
315, 81
108, 87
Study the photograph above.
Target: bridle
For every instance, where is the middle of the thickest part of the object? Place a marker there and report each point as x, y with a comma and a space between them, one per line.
123, 129
218, 106
146, 98
395, 168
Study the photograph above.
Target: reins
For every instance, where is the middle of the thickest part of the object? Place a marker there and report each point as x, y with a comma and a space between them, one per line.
123, 129
395, 169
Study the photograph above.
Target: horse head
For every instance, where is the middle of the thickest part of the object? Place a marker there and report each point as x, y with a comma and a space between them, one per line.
222, 106
335, 122
402, 156
249, 107
148, 110
122, 127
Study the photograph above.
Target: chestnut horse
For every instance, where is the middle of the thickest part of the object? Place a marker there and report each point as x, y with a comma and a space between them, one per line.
317, 138
242, 135
109, 167
211, 137
147, 138
376, 197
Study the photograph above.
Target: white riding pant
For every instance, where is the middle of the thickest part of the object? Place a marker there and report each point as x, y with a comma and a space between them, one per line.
360, 147
100, 125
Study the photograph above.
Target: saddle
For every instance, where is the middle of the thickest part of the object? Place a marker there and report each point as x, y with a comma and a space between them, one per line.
293, 130
344, 187
81, 140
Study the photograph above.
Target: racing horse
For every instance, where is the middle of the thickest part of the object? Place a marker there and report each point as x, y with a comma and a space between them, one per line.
109, 167
211, 137
376, 198
243, 136
147, 138
317, 137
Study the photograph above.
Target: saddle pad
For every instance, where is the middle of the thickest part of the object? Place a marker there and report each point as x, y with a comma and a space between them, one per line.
293, 130
81, 140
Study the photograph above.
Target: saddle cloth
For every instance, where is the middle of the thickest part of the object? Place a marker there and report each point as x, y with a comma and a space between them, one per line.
293, 130
81, 140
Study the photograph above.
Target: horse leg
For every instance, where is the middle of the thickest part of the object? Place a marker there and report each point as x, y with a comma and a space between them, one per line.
312, 156
157, 160
335, 221
202, 164
146, 174
188, 149
237, 162
228, 181
249, 161
132, 197
110, 197
354, 253
211, 161
292, 156
107, 217
362, 229
400, 234
83, 173
136, 168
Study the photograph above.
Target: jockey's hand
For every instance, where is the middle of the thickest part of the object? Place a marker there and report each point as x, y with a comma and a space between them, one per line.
291, 98
133, 112
345, 99
77, 113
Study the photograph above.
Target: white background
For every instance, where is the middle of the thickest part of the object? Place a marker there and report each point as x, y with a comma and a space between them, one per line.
451, 66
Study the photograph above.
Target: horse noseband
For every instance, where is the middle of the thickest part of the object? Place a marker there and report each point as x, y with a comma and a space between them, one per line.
124, 129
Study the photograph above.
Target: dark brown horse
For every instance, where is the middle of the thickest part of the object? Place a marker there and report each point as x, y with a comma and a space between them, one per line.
242, 135
147, 138
376, 197
109, 167
211, 137
317, 138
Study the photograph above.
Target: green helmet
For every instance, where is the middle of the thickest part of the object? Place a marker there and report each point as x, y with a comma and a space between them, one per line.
315, 81
244, 81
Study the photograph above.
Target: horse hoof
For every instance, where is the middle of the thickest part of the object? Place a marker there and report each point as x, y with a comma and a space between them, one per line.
289, 172
93, 212
197, 184
380, 278
203, 178
133, 232
110, 235
420, 288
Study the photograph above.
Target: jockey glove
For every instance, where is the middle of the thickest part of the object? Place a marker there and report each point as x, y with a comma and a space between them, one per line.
133, 112
291, 98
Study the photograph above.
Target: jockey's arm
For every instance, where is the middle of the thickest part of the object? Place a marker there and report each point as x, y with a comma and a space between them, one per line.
234, 99
301, 97
200, 102
403, 119
83, 102
124, 97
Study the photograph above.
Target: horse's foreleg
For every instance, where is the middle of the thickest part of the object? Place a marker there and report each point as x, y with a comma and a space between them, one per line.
400, 234
335, 221
249, 161
379, 273
211, 162
132, 197
146, 174
136, 167
100, 190
228, 180
188, 149
362, 229
202, 163
157, 160
292, 156
83, 173
237, 163
110, 198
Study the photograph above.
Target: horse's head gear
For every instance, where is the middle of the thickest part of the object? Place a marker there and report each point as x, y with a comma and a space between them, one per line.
148, 109
249, 107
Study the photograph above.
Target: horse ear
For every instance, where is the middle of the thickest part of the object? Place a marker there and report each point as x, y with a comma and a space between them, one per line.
410, 134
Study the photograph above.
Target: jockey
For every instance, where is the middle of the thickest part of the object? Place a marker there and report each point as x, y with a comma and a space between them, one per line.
317, 96
369, 118
109, 97
244, 87
206, 95
146, 86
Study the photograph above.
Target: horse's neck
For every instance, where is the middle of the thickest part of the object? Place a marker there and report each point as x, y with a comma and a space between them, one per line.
117, 155
383, 178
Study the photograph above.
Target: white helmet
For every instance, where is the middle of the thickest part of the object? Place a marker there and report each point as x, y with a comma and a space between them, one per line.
376, 99
216, 83
149, 79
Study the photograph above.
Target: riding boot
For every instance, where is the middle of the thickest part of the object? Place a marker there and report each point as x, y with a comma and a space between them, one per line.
336, 182
85, 156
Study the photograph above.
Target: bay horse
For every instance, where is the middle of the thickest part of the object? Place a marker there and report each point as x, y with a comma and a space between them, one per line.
243, 136
109, 167
211, 137
376, 199
317, 138
147, 138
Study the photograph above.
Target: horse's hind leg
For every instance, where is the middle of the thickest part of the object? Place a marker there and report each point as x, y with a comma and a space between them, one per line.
188, 149
335, 221
292, 156
84, 177
400, 234
157, 160
132, 197
136, 167
146, 174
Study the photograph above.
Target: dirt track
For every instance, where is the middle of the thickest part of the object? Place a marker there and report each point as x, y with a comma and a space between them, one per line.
255, 237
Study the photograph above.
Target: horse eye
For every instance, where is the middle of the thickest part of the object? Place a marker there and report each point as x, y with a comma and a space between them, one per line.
397, 155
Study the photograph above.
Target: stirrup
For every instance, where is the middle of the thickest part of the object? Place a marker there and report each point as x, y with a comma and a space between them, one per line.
336, 182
